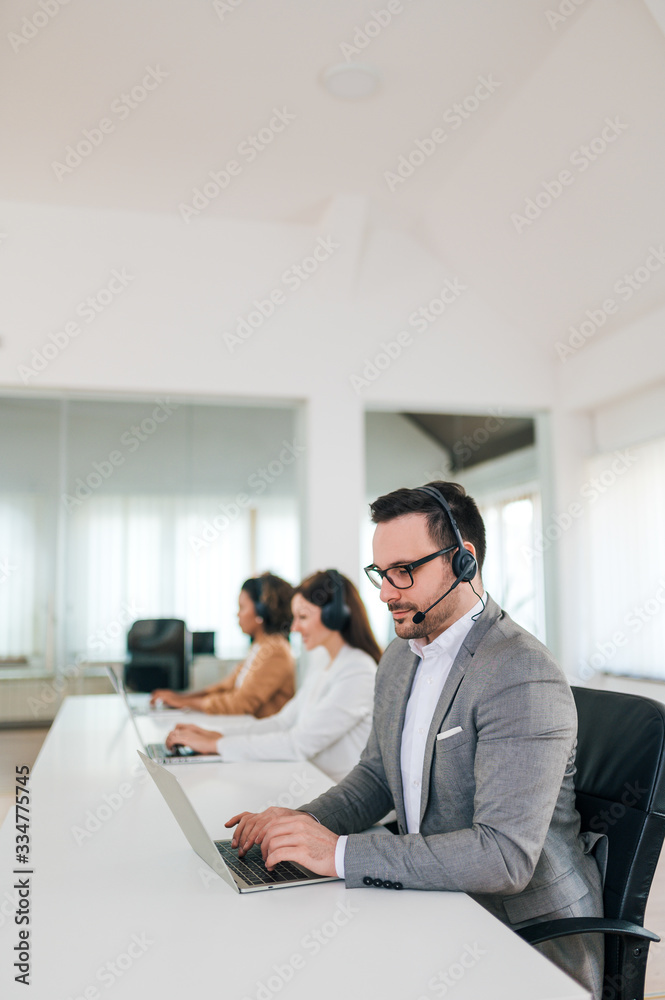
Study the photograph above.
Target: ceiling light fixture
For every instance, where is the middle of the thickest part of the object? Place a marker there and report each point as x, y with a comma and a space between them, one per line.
351, 81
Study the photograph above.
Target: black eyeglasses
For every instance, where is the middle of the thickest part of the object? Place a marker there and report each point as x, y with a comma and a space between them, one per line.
401, 577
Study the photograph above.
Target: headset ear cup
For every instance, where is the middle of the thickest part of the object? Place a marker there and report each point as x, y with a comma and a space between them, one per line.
335, 618
464, 565
262, 611
336, 615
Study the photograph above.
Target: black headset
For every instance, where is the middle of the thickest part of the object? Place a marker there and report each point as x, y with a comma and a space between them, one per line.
336, 614
254, 587
463, 563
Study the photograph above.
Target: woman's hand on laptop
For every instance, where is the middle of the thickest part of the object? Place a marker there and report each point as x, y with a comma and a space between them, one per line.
166, 697
286, 835
203, 740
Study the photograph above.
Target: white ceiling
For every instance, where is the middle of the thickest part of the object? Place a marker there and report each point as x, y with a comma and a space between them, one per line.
227, 69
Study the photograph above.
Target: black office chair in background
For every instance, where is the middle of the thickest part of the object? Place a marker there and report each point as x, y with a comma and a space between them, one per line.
620, 786
159, 652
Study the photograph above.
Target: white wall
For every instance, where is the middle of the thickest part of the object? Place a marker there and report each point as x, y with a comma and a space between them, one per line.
326, 349
164, 332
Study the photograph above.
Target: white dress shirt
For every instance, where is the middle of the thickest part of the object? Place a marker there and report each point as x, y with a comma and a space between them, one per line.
436, 659
327, 721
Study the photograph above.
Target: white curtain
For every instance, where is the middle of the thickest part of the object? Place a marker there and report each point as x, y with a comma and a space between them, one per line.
513, 570
626, 559
134, 557
19, 559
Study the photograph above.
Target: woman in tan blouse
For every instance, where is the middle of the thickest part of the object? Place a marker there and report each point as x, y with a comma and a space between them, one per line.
262, 683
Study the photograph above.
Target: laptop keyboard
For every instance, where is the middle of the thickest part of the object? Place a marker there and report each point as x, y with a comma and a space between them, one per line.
162, 750
251, 867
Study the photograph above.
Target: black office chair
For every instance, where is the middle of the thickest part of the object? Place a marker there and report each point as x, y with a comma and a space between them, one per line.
620, 786
159, 652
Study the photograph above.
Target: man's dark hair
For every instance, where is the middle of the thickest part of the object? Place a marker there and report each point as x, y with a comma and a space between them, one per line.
465, 512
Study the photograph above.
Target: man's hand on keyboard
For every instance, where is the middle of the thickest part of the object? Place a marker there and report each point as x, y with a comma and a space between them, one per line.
286, 835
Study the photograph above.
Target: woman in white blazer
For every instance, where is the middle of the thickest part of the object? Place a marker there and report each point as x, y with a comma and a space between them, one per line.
329, 718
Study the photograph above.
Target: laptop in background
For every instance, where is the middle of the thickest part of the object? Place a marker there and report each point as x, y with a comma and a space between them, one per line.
248, 874
159, 752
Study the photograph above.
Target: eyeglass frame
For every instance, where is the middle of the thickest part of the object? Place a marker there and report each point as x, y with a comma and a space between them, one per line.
409, 567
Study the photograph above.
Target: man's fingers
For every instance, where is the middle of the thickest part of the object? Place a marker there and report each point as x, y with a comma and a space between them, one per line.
250, 835
285, 832
246, 832
284, 842
289, 852
236, 819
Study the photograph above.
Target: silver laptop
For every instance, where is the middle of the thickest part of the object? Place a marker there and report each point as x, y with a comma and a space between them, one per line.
159, 751
247, 874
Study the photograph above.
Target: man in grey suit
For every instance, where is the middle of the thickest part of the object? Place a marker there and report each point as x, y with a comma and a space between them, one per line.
473, 744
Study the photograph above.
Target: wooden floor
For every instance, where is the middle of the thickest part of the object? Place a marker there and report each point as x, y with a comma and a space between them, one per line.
22, 746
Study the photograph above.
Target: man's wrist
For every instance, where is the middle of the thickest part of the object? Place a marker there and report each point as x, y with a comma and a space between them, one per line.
340, 849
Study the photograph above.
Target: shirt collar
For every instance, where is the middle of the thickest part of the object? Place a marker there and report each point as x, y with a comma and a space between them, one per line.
452, 638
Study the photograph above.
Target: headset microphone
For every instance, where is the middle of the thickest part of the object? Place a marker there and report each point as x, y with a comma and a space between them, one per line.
420, 615
463, 563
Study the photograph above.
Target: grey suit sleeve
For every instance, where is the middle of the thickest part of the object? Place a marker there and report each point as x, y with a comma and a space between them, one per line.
360, 799
526, 724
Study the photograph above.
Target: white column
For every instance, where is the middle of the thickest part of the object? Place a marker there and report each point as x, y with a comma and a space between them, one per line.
566, 445
332, 482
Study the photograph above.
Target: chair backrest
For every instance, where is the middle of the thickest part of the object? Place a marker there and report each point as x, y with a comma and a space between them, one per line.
620, 790
159, 652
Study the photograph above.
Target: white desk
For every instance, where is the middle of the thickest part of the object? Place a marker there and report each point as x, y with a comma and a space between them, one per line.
133, 894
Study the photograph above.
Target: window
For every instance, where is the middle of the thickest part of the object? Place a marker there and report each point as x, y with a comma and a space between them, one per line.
625, 493
115, 511
513, 571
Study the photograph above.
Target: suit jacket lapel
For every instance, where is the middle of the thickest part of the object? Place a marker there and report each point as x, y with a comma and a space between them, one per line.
451, 686
394, 760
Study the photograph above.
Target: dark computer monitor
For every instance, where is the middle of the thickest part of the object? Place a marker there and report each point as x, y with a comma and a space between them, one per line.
159, 652
203, 643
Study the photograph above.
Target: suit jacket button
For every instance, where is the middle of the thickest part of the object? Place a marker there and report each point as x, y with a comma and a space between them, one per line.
368, 881
378, 882
398, 885
387, 884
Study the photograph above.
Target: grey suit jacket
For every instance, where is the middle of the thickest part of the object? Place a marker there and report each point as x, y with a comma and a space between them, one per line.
498, 818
